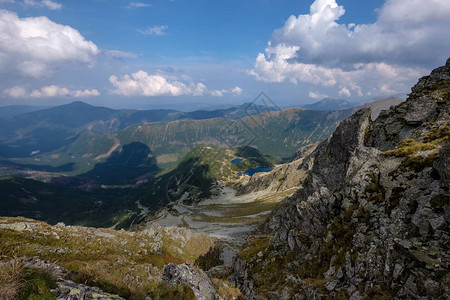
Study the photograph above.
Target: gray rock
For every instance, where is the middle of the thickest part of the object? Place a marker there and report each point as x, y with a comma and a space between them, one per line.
19, 226
186, 274
69, 290
331, 285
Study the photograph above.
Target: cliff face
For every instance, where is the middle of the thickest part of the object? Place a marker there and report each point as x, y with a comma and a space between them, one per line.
372, 218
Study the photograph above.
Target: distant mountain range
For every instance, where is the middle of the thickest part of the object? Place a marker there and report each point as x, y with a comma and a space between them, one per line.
76, 137
18, 109
84, 135
329, 104
21, 134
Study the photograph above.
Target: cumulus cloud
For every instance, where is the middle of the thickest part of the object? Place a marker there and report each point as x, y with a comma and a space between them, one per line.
236, 91
150, 85
317, 95
358, 59
155, 30
43, 3
16, 92
50, 91
345, 92
31, 46
143, 84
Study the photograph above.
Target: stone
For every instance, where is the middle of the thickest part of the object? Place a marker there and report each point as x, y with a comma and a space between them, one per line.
19, 226
69, 290
330, 285
186, 274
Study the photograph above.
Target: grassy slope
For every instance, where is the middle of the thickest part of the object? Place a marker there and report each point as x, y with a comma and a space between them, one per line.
119, 262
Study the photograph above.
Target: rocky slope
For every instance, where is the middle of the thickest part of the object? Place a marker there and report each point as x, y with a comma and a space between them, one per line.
372, 220
288, 176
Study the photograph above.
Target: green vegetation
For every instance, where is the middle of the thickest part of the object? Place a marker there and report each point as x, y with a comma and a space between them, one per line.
19, 282
441, 91
410, 148
37, 285
252, 247
375, 191
57, 203
192, 179
210, 259
124, 165
163, 291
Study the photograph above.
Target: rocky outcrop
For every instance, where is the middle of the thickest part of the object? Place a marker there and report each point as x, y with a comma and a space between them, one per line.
69, 290
372, 219
186, 274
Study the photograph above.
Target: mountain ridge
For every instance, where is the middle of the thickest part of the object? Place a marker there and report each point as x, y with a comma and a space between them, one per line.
372, 218
329, 104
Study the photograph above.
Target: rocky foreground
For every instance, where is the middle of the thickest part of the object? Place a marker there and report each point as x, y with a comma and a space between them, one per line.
73, 262
372, 219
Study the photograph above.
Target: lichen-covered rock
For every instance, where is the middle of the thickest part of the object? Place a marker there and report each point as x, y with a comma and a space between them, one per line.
19, 226
186, 274
69, 290
373, 217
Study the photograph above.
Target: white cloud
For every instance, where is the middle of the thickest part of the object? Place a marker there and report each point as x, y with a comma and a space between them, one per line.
138, 5
43, 3
50, 91
237, 91
345, 92
155, 30
150, 85
384, 57
218, 93
32, 46
143, 84
16, 92
317, 95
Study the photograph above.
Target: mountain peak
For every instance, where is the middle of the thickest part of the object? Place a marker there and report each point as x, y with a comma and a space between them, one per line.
78, 104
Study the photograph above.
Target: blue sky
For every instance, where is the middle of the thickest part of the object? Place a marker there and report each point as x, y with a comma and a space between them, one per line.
162, 53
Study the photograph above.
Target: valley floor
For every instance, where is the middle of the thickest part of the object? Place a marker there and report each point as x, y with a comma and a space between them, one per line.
227, 217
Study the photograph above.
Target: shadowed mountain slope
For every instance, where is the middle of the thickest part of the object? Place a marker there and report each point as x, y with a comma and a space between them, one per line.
372, 218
